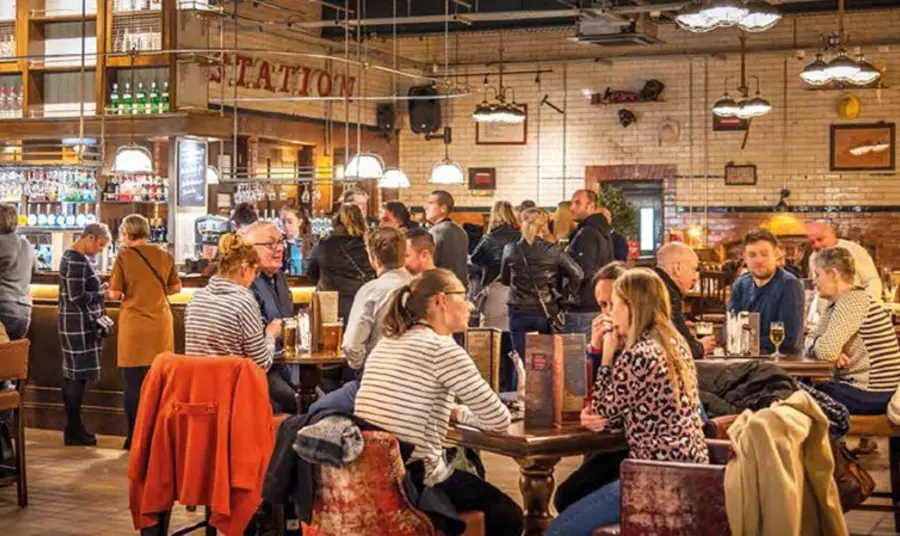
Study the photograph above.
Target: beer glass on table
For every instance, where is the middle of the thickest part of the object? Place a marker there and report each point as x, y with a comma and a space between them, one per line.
776, 335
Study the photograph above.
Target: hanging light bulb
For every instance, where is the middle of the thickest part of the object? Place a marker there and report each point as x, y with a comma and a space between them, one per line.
757, 106
816, 73
842, 68
447, 172
725, 107
393, 178
483, 112
132, 158
867, 72
743, 111
693, 19
365, 166
761, 16
725, 13
515, 114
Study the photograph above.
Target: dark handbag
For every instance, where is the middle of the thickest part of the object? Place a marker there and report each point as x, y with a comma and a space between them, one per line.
557, 321
362, 275
854, 483
104, 326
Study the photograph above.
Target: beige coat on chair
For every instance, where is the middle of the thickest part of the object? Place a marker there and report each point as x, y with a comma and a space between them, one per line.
780, 481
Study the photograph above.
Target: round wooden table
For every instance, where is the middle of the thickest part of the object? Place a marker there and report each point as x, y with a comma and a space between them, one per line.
310, 365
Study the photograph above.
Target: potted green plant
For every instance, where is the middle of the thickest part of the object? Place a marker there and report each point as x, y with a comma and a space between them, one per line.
624, 216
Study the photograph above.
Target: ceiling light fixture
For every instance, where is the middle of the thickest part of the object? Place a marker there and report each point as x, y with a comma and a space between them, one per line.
393, 178
842, 69
132, 158
753, 16
365, 166
745, 107
447, 171
501, 110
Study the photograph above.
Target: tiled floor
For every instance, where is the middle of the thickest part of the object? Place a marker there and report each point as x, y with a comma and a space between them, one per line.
83, 491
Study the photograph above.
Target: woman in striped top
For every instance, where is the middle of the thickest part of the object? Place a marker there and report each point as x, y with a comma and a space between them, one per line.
857, 335
414, 374
223, 318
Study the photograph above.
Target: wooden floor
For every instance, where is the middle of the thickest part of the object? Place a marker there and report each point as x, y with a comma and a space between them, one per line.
83, 491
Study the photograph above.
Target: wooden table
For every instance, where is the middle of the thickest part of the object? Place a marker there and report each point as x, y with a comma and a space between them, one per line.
537, 451
796, 365
310, 365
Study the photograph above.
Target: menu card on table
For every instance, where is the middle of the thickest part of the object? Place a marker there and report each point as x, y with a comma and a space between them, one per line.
555, 378
483, 345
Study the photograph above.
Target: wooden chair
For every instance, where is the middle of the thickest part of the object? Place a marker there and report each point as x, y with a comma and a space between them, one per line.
673, 499
14, 367
880, 426
713, 293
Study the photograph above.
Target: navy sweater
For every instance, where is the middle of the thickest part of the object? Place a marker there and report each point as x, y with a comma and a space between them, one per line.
782, 298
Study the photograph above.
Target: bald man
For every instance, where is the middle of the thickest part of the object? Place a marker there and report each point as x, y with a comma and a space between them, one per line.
821, 235
677, 265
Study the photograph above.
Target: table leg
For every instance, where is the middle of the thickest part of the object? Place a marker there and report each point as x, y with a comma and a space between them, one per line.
536, 483
310, 376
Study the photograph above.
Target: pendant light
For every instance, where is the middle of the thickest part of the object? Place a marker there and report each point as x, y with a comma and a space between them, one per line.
365, 166
842, 68
447, 171
745, 107
726, 106
393, 178
753, 16
815, 74
132, 158
725, 12
867, 72
760, 17
693, 19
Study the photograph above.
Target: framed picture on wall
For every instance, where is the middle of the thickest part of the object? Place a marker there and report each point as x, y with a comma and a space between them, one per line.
740, 175
502, 134
482, 179
729, 123
862, 147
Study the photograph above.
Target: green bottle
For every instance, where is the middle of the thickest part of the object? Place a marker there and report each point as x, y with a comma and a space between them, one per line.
164, 99
154, 99
127, 107
115, 105
140, 99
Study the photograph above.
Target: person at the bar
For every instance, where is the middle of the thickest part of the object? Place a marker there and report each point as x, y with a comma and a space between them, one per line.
339, 261
451, 243
419, 251
591, 246
275, 303
649, 389
856, 334
412, 380
770, 291
142, 277
395, 214
16, 264
222, 318
295, 222
80, 306
387, 253
678, 267
360, 198
242, 217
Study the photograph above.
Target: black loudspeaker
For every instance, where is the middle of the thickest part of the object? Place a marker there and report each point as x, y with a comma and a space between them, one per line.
384, 115
424, 114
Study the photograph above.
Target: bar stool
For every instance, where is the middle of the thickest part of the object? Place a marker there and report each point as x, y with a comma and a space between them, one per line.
14, 367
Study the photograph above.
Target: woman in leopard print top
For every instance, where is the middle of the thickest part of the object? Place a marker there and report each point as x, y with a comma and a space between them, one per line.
650, 389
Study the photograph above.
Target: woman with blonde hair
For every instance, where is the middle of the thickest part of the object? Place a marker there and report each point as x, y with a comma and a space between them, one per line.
143, 277
563, 223
412, 380
339, 262
649, 388
532, 268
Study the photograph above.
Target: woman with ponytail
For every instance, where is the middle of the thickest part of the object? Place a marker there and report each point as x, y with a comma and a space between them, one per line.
650, 390
413, 377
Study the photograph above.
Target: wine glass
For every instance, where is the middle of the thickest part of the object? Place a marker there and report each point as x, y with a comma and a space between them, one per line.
776, 335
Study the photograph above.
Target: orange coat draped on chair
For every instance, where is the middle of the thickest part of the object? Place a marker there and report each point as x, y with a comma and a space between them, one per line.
204, 435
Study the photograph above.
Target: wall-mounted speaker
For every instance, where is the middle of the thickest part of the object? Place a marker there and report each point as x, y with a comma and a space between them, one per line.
424, 113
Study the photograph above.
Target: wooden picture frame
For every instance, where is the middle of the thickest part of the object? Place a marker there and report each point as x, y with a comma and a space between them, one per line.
740, 175
482, 178
861, 147
726, 124
502, 134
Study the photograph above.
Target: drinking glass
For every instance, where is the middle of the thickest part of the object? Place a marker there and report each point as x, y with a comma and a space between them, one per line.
776, 335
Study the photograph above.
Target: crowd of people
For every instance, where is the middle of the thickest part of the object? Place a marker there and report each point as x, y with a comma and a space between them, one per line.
405, 290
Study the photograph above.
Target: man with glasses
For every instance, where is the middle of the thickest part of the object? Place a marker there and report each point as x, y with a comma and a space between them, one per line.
678, 266
271, 290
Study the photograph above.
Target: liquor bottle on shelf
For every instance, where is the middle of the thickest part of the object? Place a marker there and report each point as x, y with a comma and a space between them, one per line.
70, 217
19, 97
59, 220
32, 216
42, 219
4, 104
140, 99
126, 40
81, 217
114, 103
153, 108
126, 100
164, 99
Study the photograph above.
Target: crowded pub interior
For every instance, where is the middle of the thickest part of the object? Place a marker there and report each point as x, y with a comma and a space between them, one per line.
449, 267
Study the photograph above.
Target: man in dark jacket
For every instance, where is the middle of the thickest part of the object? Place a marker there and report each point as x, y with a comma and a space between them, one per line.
677, 265
620, 243
591, 246
451, 243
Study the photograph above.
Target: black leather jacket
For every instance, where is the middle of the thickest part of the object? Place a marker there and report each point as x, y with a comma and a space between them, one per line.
329, 267
547, 265
488, 254
591, 246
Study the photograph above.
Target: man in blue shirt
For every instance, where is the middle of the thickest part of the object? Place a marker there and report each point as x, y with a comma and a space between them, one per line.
770, 291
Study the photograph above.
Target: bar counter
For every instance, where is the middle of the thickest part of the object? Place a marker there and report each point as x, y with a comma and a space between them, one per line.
102, 411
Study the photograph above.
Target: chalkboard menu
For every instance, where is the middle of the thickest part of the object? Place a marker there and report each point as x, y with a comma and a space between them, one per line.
191, 173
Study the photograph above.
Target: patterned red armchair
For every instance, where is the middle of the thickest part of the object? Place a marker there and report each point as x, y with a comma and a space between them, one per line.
366, 497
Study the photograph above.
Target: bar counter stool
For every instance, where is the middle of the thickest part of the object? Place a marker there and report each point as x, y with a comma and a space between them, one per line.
14, 367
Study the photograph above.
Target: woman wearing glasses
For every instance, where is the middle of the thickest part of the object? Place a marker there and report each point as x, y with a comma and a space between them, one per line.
418, 357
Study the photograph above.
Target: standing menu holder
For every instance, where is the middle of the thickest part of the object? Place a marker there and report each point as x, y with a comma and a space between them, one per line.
556, 382
483, 345
576, 370
323, 309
